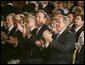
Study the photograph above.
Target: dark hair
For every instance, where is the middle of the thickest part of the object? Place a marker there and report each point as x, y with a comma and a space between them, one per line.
73, 13
45, 14
62, 12
82, 16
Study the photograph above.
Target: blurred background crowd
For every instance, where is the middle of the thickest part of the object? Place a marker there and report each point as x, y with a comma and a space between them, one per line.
42, 32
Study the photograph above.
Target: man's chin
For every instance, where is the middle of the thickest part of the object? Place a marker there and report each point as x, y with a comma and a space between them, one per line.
58, 29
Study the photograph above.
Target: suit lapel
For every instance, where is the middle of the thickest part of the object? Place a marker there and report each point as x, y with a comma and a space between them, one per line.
40, 31
12, 31
61, 36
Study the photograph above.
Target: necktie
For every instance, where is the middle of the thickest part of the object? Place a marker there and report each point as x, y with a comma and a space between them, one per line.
37, 32
57, 35
74, 31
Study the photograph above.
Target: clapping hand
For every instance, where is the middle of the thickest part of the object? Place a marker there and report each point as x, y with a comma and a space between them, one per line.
12, 40
40, 43
47, 36
3, 36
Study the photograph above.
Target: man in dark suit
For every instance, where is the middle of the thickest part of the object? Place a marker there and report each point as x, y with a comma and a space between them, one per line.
79, 33
13, 47
59, 50
71, 20
36, 52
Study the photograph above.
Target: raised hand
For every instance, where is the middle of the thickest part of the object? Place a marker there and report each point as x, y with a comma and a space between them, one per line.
3, 36
47, 36
12, 40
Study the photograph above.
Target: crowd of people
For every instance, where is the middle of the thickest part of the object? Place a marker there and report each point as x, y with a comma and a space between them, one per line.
43, 32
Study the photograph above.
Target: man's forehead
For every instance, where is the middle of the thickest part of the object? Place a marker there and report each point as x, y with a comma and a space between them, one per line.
78, 16
41, 13
9, 16
17, 17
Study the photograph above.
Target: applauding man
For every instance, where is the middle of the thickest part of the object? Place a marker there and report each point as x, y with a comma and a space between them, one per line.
59, 50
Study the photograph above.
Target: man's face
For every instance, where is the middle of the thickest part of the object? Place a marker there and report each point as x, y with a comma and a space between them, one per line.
18, 19
30, 23
78, 20
40, 19
70, 16
53, 24
9, 21
59, 24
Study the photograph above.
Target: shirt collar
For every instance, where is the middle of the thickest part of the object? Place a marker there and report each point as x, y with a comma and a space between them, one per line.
61, 31
32, 28
45, 5
11, 28
76, 29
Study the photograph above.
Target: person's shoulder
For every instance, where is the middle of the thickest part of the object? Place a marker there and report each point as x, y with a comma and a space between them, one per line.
46, 27
69, 32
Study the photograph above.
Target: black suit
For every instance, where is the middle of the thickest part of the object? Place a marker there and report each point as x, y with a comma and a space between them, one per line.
60, 50
80, 55
39, 36
4, 29
43, 28
35, 51
11, 52
78, 33
72, 27
5, 54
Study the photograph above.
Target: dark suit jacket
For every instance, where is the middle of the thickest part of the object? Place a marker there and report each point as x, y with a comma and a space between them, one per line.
5, 50
4, 30
72, 28
78, 33
60, 50
80, 55
11, 52
35, 50
38, 36
35, 37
